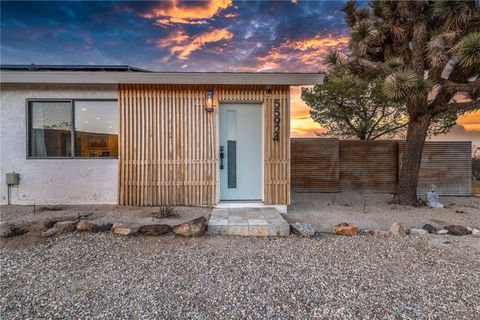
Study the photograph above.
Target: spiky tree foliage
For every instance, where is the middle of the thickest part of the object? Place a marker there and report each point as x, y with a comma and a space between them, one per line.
351, 107
427, 52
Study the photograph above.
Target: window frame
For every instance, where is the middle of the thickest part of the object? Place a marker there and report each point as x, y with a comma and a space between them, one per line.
28, 103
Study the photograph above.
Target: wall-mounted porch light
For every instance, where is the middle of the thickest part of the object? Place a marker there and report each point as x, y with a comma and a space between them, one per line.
209, 100
269, 90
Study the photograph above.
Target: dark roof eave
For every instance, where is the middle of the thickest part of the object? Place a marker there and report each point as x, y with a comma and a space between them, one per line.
90, 68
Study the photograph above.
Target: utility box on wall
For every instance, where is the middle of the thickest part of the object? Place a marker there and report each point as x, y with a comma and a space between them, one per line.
12, 178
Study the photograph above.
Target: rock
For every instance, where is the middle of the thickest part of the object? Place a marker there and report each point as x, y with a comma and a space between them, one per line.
85, 226
103, 227
457, 230
303, 229
59, 228
442, 231
475, 232
429, 228
49, 233
65, 226
154, 229
8, 230
345, 229
418, 231
49, 224
125, 230
381, 233
193, 228
397, 230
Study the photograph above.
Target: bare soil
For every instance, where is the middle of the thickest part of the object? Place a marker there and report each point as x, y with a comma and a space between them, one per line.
33, 219
375, 212
476, 187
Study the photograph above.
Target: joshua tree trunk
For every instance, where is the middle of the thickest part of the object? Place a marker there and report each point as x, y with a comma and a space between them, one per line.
406, 192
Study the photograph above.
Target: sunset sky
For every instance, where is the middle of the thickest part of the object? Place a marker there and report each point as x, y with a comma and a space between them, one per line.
188, 36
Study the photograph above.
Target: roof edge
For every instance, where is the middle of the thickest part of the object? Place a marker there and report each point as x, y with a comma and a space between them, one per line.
115, 77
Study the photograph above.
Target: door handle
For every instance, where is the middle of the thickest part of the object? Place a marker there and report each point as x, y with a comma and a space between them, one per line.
221, 157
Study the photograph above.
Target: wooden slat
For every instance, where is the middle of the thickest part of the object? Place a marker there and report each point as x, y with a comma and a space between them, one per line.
169, 154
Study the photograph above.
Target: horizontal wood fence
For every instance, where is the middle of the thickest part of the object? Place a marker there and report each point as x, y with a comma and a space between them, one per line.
445, 164
330, 165
314, 165
368, 166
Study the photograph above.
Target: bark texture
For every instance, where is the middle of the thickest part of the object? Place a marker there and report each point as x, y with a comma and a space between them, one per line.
406, 192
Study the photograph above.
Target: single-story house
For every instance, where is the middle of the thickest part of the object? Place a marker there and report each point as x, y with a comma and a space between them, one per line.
123, 135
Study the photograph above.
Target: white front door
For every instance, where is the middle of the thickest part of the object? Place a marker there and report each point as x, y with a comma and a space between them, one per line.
241, 150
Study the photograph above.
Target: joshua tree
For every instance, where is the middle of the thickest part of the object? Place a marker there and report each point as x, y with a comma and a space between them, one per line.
351, 107
428, 54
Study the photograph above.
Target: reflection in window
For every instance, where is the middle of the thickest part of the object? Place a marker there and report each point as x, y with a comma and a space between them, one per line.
96, 129
50, 129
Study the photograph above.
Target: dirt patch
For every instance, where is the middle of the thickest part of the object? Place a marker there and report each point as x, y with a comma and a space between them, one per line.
373, 211
476, 187
33, 219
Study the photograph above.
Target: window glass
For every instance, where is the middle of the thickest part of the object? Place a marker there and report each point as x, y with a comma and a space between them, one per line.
50, 129
96, 129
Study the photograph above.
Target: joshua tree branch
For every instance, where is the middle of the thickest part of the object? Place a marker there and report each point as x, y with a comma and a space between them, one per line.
472, 88
461, 107
370, 67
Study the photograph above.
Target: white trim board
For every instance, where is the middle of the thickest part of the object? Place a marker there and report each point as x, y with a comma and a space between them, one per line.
97, 77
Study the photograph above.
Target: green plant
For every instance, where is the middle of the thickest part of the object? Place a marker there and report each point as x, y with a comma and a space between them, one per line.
164, 212
427, 54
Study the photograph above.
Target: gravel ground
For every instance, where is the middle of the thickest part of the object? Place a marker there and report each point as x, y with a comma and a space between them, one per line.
324, 210
107, 276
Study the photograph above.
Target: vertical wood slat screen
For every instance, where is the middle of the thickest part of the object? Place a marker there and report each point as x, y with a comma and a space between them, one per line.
168, 153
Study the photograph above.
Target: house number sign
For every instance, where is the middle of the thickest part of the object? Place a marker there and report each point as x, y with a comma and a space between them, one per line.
276, 120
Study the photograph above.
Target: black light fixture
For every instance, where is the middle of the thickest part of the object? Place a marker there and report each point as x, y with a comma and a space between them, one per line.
269, 90
209, 100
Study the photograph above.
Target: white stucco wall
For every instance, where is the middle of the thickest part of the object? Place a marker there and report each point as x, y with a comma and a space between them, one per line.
55, 181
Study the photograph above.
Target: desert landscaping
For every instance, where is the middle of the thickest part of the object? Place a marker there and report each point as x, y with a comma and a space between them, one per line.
84, 271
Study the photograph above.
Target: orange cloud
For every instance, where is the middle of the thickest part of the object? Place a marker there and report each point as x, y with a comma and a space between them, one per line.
181, 45
172, 12
308, 52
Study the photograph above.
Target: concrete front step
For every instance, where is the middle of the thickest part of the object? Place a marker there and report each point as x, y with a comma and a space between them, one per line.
248, 222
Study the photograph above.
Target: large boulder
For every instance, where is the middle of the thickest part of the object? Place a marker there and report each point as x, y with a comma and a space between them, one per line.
85, 226
430, 228
381, 233
49, 224
103, 227
125, 230
60, 228
192, 228
397, 230
154, 229
345, 229
415, 231
303, 229
8, 230
457, 230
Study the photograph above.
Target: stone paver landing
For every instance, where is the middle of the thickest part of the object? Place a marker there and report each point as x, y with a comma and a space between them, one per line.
248, 222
